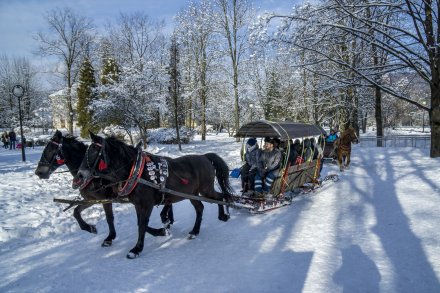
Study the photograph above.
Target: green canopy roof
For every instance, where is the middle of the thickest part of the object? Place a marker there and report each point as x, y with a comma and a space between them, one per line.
283, 130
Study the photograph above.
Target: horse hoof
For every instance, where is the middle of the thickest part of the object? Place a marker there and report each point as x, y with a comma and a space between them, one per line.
165, 232
167, 224
191, 236
93, 229
106, 243
132, 255
224, 218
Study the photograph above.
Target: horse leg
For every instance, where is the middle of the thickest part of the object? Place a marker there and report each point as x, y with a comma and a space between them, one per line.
198, 206
167, 215
143, 215
340, 158
347, 161
222, 216
111, 227
211, 193
82, 224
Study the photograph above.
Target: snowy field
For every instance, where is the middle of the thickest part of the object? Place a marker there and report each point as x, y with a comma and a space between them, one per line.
376, 230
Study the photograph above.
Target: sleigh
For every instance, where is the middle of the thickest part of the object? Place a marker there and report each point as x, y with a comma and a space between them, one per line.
294, 178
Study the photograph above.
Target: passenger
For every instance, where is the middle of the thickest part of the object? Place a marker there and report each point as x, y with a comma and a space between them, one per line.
268, 166
307, 151
249, 169
295, 153
331, 137
318, 152
276, 143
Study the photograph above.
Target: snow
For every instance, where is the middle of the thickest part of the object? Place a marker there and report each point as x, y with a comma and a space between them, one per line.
376, 229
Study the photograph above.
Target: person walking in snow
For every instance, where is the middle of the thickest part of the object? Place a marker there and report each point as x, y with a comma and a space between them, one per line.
12, 139
5, 140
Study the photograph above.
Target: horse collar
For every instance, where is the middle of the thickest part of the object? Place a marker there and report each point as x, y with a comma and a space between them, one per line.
157, 172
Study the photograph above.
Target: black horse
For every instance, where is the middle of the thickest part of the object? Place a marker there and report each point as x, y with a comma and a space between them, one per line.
193, 174
68, 150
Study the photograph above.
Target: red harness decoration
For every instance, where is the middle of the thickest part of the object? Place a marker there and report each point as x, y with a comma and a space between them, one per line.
59, 160
135, 174
102, 165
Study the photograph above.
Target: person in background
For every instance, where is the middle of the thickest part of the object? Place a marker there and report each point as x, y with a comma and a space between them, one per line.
268, 166
249, 169
12, 139
5, 140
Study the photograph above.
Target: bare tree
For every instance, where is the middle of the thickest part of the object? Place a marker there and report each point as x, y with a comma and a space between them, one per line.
195, 35
18, 71
410, 44
68, 37
235, 17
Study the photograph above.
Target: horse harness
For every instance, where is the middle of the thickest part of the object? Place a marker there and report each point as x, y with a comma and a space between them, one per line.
59, 156
156, 168
346, 147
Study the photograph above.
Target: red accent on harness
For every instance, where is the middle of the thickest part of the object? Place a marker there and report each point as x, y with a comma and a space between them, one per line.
122, 190
60, 161
184, 181
102, 165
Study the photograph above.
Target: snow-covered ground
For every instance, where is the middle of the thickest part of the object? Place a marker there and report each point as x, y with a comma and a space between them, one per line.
375, 230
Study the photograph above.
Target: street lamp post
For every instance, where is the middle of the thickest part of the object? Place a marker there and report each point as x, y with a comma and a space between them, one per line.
252, 107
18, 92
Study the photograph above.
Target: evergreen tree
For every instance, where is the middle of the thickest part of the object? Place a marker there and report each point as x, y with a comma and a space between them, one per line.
86, 95
110, 76
274, 105
110, 71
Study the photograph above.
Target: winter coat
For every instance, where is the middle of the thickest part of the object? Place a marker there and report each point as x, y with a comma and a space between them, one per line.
251, 156
269, 161
12, 136
331, 137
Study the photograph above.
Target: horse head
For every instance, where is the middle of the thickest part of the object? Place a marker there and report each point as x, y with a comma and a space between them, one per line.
52, 156
350, 136
104, 158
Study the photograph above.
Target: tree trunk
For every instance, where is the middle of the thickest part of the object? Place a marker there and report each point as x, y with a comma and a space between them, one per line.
434, 117
378, 116
364, 122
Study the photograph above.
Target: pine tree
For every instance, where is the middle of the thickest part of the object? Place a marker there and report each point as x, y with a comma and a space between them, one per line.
86, 95
110, 75
273, 108
110, 71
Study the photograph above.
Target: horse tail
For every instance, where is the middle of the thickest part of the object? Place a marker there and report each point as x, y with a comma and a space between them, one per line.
222, 174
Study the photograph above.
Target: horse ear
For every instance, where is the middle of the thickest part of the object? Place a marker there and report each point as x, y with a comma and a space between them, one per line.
93, 136
58, 135
138, 145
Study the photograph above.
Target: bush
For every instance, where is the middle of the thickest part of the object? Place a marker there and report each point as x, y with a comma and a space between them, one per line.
169, 135
39, 141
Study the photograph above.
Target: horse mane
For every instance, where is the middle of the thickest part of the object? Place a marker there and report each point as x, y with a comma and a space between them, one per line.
119, 149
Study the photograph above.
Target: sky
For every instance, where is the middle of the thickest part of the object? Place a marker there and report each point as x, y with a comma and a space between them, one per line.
20, 20
375, 230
